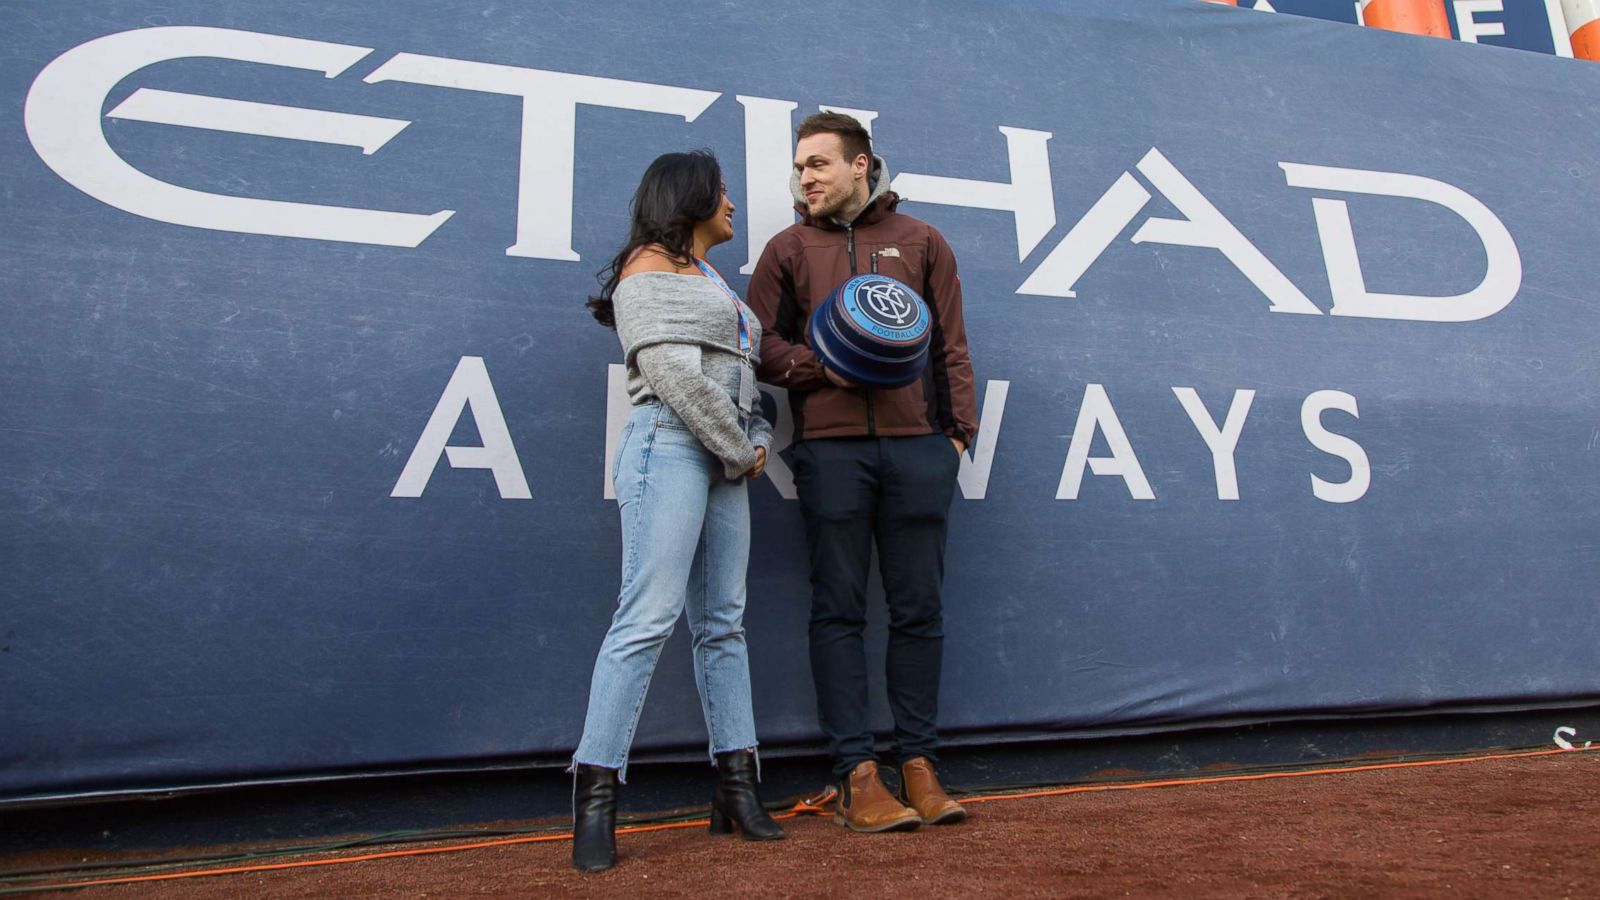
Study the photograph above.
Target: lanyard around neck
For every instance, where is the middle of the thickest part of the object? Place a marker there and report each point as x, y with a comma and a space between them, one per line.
744, 323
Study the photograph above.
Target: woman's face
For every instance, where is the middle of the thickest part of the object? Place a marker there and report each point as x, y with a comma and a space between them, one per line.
719, 228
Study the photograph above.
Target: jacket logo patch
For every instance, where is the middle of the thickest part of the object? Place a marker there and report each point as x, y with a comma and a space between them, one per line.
889, 253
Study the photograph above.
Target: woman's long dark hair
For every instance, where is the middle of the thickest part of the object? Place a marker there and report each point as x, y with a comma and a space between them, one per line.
678, 191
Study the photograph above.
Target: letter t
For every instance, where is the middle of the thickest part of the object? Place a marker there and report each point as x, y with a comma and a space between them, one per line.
549, 130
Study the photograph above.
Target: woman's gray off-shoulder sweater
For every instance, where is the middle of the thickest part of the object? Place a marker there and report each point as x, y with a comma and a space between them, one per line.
680, 340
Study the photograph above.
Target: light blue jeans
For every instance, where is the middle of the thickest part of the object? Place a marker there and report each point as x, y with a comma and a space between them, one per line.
685, 546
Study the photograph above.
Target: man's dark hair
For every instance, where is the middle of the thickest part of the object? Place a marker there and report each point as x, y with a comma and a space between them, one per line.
855, 139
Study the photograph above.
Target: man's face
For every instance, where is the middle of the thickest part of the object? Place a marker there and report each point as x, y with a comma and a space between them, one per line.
828, 182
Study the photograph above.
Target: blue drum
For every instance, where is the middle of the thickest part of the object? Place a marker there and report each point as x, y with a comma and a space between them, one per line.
873, 330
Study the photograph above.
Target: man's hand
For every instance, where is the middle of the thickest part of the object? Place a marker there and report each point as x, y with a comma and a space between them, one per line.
960, 447
838, 379
761, 464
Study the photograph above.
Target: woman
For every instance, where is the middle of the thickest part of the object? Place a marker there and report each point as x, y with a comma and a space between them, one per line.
694, 437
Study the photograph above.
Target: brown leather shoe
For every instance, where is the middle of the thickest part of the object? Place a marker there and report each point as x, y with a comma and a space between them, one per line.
867, 805
919, 788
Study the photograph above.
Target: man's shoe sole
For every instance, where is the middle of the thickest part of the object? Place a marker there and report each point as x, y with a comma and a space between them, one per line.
909, 823
948, 817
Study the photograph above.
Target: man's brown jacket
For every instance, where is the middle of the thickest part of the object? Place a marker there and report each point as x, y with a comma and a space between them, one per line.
797, 271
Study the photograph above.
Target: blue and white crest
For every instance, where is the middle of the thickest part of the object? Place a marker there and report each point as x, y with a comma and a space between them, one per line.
873, 329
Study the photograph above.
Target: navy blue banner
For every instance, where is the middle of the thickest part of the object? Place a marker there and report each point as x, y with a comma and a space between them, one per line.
1284, 334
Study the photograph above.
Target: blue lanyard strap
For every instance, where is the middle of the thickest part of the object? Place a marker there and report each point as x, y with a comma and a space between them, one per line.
744, 323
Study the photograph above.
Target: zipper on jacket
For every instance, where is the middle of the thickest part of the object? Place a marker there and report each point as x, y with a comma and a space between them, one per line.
850, 235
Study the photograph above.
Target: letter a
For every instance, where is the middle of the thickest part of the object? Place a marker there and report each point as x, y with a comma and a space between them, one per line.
469, 385
1203, 226
1097, 412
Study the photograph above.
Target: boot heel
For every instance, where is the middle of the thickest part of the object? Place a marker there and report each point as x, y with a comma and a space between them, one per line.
735, 805
719, 822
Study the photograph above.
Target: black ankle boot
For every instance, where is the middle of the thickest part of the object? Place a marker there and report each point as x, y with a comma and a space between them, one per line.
594, 819
736, 803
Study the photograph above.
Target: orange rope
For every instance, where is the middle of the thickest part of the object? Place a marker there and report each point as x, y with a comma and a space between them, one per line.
1179, 782
390, 854
365, 857
811, 806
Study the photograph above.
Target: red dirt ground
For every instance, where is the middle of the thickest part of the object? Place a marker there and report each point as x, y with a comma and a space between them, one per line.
1504, 828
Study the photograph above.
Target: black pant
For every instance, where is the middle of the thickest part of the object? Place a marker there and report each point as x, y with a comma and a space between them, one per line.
897, 490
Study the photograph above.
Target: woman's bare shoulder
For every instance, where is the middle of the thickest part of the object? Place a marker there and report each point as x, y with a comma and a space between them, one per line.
655, 258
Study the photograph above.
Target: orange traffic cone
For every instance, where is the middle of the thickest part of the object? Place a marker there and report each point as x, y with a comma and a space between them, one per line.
1411, 16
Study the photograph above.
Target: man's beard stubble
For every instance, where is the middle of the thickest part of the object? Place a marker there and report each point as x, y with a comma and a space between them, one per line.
833, 207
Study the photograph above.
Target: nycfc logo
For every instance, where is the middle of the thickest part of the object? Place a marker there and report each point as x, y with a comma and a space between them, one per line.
873, 330
886, 304
880, 306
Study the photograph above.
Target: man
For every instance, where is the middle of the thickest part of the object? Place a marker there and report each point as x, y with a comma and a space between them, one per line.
869, 464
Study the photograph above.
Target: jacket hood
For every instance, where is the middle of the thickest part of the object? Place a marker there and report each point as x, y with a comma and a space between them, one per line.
878, 188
